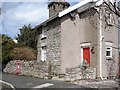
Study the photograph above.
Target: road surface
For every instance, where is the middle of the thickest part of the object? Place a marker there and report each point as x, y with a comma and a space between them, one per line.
32, 82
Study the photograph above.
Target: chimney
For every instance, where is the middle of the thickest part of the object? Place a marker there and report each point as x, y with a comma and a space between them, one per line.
55, 6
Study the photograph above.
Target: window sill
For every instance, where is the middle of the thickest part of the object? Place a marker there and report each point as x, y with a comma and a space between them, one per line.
43, 44
109, 24
43, 60
109, 58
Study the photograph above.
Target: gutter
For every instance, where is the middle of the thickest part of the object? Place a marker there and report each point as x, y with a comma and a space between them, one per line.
66, 11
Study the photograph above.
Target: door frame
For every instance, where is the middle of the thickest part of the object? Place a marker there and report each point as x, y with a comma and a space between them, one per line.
84, 45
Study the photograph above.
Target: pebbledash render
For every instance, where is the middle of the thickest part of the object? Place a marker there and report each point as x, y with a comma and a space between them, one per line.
85, 32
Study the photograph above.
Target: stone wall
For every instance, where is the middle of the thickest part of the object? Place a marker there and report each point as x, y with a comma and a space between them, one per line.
42, 70
29, 68
74, 74
52, 41
57, 7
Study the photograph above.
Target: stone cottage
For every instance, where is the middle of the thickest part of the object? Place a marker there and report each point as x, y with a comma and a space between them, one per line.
85, 32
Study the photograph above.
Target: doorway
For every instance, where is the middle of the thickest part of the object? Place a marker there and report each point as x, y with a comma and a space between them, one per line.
86, 55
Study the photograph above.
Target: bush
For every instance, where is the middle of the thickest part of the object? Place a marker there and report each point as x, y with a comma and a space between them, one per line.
23, 53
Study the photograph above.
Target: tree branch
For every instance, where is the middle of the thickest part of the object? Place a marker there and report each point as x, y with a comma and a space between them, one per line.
113, 8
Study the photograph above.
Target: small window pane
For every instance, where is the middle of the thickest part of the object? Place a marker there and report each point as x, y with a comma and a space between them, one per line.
107, 53
108, 48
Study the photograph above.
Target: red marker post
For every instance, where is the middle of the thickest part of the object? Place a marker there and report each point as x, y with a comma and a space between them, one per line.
18, 67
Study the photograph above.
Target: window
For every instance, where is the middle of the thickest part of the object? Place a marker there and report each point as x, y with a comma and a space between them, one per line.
108, 50
109, 18
43, 35
43, 53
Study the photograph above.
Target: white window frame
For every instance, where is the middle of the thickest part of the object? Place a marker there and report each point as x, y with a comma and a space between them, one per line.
43, 54
109, 17
109, 49
43, 33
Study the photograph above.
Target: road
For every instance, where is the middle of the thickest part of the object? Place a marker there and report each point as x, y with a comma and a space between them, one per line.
31, 82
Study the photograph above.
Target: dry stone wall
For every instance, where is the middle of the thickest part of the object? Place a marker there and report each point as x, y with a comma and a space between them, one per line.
29, 68
42, 70
74, 74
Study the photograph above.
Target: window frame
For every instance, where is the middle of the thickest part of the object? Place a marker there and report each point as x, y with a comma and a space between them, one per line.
109, 49
109, 17
43, 35
43, 53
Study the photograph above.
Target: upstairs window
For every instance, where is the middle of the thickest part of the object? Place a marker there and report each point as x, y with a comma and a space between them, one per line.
43, 34
109, 18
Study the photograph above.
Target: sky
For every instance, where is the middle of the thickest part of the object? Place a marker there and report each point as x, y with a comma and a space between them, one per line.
16, 14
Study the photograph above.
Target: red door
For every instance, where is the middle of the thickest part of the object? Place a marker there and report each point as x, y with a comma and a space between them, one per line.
86, 55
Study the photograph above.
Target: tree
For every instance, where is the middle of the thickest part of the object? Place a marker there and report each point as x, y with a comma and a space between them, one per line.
7, 45
113, 6
27, 37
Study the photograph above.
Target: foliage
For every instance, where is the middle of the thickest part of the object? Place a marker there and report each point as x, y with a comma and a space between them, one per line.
23, 53
84, 65
113, 7
7, 45
27, 37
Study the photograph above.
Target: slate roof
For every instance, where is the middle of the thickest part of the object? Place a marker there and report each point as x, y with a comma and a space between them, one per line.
83, 5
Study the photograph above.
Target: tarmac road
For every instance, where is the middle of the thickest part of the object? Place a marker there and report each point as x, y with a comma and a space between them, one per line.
32, 82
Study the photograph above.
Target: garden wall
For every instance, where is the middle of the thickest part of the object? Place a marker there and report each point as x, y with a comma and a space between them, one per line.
29, 68
74, 74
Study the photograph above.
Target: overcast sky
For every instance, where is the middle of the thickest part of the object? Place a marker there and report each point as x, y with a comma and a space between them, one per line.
17, 14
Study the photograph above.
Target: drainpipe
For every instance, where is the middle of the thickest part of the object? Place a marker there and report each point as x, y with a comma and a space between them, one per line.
100, 45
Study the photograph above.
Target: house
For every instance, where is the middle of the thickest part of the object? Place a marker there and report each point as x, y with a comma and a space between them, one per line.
84, 32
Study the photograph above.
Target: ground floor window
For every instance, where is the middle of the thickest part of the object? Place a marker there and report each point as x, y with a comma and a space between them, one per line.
108, 50
43, 53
